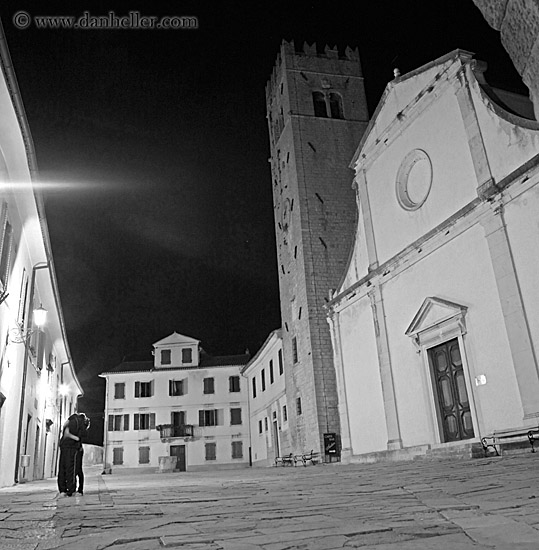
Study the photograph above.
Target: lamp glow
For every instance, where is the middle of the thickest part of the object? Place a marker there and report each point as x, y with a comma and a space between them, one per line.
40, 316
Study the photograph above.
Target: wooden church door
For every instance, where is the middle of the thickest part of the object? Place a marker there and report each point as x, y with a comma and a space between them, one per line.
450, 391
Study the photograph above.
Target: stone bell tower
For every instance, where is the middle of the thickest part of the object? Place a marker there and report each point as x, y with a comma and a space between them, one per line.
317, 113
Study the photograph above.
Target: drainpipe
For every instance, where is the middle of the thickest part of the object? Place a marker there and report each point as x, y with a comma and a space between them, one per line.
40, 265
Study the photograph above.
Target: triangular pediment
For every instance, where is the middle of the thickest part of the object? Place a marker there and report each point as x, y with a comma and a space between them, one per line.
176, 339
432, 312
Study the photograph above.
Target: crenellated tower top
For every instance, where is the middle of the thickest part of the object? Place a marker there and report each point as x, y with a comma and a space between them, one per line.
309, 59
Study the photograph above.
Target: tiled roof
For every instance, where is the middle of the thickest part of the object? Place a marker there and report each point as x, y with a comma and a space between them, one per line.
224, 361
206, 361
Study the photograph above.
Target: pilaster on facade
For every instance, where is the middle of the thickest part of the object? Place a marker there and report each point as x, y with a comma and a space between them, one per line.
514, 313
386, 370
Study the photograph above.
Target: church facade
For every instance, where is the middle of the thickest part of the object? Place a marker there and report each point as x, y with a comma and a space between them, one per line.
434, 324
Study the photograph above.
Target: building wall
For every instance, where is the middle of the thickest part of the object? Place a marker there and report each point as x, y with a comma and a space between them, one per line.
38, 386
269, 410
314, 218
162, 405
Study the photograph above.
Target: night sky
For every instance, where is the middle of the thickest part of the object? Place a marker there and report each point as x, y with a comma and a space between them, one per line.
163, 220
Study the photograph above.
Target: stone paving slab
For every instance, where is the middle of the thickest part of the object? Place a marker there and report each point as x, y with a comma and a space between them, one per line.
421, 505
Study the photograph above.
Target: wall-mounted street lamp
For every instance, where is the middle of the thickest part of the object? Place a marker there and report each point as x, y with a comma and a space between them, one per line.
40, 316
19, 334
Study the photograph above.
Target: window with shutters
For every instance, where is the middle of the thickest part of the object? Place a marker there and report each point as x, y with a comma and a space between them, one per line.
118, 422
165, 357
235, 417
211, 451
281, 367
237, 449
23, 298
209, 385
233, 384
6, 241
177, 387
187, 355
119, 390
144, 421
208, 417
117, 456
144, 455
144, 389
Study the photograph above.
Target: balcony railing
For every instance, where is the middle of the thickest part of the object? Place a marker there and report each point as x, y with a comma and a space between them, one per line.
168, 430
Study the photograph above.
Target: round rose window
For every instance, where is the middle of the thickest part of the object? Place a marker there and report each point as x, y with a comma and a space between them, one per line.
414, 179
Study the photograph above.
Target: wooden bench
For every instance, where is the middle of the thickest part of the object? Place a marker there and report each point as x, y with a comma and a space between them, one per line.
287, 460
311, 457
509, 435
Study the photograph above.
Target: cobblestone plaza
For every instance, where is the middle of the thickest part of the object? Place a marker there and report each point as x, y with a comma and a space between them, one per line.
490, 503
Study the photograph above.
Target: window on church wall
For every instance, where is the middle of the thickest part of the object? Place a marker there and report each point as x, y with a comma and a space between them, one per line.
263, 379
254, 388
335, 105
281, 366
319, 103
165, 357
271, 371
187, 355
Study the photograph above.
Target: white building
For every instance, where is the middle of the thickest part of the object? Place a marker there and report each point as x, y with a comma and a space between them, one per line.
38, 386
268, 407
435, 325
184, 404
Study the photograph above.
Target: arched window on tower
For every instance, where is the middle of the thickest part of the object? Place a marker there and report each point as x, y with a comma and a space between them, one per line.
335, 105
319, 103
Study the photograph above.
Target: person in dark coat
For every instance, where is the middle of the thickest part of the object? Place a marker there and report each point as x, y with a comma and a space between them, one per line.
83, 434
69, 447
